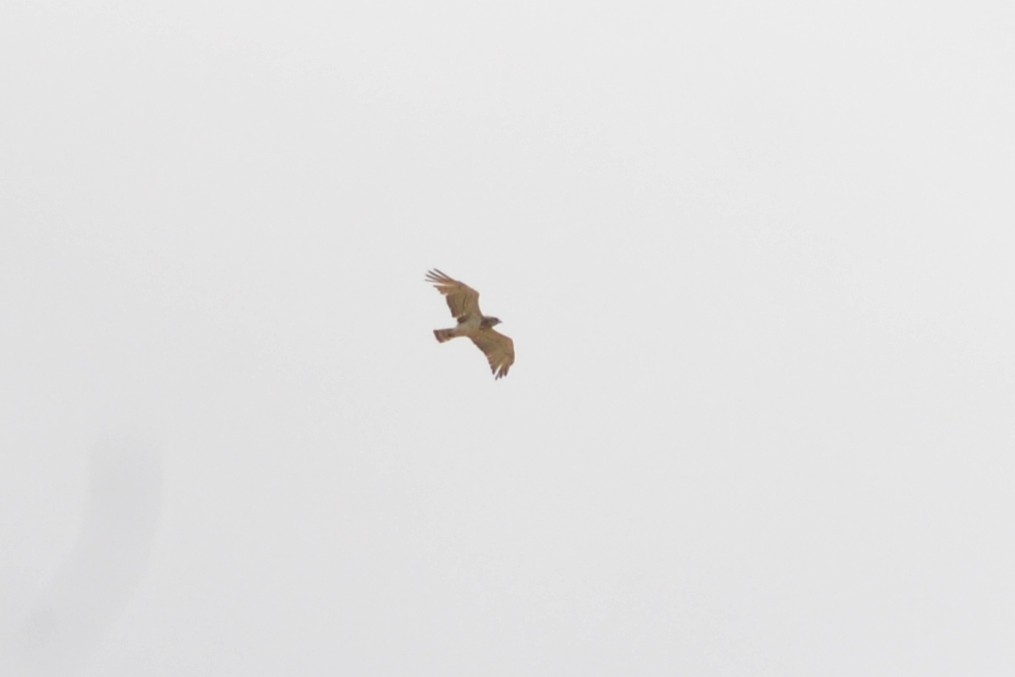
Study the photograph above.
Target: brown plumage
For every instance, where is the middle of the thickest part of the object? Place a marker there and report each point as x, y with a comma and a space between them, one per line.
463, 301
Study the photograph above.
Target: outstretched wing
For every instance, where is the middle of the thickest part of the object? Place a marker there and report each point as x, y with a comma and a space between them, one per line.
462, 299
499, 350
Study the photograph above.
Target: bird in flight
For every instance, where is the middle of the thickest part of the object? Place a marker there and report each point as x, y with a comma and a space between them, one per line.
463, 301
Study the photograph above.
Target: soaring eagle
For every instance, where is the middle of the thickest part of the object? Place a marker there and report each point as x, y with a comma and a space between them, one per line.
463, 301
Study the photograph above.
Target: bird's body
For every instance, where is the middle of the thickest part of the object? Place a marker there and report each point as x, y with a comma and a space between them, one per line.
463, 301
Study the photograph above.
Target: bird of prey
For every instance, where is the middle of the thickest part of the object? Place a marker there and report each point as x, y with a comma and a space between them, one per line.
463, 301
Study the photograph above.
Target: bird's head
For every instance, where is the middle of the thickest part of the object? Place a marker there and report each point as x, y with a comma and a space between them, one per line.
491, 321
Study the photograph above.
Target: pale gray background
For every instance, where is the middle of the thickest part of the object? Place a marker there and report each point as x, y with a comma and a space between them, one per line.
756, 258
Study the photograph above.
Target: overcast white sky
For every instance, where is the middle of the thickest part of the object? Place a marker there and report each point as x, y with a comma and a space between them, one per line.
757, 261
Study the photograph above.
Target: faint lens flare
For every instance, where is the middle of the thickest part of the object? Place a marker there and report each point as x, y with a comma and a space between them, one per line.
92, 586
